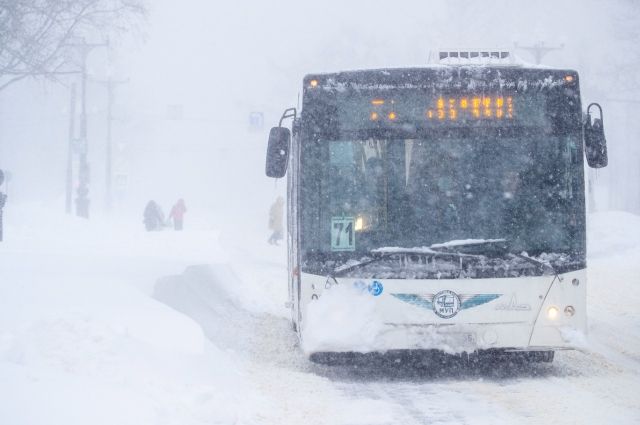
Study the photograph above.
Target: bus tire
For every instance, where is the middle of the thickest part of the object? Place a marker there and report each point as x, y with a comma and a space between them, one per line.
547, 356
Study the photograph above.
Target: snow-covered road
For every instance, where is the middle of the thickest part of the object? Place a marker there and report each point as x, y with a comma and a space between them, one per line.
124, 327
580, 387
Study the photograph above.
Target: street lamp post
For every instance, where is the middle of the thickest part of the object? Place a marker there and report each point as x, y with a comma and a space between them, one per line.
82, 194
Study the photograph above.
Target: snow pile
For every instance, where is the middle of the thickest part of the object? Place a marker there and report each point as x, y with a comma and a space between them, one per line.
82, 341
120, 358
343, 318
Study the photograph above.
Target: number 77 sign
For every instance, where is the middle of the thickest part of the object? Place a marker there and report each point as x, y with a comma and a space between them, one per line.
342, 234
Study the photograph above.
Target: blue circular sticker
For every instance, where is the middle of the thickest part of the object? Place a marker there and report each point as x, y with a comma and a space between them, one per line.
375, 288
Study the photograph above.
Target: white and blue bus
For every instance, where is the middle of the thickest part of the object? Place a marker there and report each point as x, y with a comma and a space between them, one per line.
455, 193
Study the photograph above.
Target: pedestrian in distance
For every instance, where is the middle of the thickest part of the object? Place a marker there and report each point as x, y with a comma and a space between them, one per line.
153, 218
275, 221
177, 214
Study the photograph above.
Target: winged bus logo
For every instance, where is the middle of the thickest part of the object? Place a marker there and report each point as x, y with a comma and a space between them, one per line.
446, 304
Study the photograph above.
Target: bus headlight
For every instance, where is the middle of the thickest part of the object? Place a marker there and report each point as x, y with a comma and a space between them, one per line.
362, 223
569, 311
552, 313
359, 225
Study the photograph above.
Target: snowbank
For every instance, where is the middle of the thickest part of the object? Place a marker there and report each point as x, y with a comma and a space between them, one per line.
82, 341
613, 294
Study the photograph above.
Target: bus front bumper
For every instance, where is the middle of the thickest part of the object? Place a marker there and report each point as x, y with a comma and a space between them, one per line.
465, 338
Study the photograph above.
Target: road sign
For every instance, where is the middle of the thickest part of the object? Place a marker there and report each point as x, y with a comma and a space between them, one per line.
256, 121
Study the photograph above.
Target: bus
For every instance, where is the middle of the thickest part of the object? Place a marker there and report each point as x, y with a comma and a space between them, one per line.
454, 194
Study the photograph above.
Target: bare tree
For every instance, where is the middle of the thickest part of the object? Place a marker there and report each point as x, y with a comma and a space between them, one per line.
35, 35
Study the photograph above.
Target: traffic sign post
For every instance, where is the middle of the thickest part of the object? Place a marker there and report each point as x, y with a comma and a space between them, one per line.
256, 121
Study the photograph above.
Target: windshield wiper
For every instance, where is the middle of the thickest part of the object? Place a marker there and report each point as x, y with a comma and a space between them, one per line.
501, 244
383, 253
455, 249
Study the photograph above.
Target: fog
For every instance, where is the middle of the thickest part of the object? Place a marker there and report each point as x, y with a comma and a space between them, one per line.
103, 321
193, 71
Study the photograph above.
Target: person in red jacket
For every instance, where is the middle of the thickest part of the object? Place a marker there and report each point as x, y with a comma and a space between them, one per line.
177, 214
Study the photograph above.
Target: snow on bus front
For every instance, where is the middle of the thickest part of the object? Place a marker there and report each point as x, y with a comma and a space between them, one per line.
440, 297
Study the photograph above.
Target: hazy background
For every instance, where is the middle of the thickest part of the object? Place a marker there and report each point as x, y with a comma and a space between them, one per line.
196, 69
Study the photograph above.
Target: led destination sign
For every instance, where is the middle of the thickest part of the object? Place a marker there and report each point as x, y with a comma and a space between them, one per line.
359, 110
455, 108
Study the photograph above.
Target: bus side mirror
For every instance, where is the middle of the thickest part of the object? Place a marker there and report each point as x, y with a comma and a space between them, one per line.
594, 140
278, 152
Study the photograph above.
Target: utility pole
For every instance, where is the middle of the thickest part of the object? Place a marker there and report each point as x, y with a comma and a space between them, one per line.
539, 50
82, 195
111, 85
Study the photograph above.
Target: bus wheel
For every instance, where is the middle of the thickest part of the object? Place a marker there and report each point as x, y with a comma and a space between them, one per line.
546, 356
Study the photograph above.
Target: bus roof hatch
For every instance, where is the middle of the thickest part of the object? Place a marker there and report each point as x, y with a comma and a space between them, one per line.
472, 57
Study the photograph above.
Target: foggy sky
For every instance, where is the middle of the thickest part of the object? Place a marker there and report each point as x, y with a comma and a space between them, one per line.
217, 62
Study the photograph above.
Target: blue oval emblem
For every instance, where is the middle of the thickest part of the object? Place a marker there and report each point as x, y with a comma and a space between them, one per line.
375, 288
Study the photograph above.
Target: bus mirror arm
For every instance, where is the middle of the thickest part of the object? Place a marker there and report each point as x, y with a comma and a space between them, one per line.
288, 113
279, 146
594, 139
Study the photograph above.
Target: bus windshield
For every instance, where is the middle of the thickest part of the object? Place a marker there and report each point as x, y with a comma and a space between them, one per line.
420, 192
